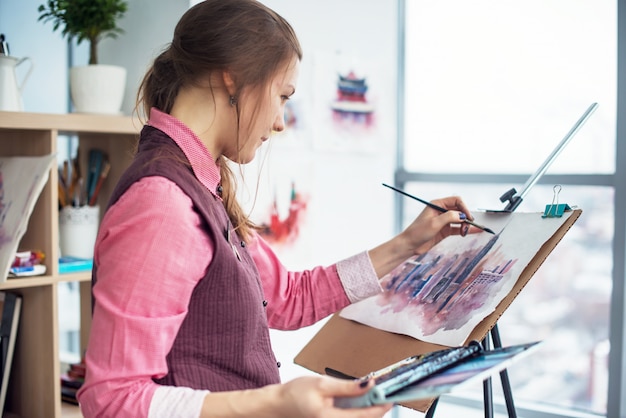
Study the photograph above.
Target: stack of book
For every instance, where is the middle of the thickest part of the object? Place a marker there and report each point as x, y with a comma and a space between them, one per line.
71, 381
27, 263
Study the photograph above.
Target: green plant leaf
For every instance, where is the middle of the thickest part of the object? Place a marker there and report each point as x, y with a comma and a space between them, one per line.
85, 20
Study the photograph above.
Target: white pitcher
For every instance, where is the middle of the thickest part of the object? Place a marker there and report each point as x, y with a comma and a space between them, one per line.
10, 89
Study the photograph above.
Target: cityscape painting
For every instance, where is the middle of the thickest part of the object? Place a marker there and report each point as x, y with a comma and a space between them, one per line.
440, 296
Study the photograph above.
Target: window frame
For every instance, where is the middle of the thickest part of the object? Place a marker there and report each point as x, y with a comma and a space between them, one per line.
616, 404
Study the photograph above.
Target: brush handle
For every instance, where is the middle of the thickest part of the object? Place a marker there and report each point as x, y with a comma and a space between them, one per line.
439, 208
426, 202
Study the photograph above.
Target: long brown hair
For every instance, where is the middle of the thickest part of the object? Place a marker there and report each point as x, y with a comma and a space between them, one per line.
243, 37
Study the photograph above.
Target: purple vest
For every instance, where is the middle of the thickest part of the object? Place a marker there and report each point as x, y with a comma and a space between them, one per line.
223, 343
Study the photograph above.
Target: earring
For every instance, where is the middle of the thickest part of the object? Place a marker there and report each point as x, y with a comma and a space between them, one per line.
233, 101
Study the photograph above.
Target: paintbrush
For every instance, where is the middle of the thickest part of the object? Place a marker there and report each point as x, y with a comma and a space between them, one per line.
439, 208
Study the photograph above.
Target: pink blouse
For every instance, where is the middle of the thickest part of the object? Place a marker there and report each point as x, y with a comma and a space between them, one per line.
150, 253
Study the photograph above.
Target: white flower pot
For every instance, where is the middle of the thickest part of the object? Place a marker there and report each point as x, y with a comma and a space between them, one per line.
97, 88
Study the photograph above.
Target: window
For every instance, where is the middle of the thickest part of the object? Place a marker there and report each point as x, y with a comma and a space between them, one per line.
489, 88
506, 80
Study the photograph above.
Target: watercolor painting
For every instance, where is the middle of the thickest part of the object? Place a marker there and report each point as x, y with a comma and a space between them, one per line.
348, 104
275, 191
296, 133
351, 108
285, 229
22, 179
440, 296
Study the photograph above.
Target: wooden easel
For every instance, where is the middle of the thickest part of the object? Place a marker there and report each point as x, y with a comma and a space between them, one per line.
355, 349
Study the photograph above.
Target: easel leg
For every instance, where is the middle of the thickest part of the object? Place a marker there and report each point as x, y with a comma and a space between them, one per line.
504, 376
431, 411
487, 389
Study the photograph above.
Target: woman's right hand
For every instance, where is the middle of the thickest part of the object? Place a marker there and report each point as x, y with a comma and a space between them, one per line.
304, 397
314, 397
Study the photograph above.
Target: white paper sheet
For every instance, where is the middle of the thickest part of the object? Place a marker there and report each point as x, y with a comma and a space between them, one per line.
442, 295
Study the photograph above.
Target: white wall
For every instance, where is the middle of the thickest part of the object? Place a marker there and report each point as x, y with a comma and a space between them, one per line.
148, 27
349, 211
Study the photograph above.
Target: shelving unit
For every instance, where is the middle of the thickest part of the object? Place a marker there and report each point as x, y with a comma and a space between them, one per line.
34, 389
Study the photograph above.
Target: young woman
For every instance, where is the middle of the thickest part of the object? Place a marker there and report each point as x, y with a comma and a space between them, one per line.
184, 288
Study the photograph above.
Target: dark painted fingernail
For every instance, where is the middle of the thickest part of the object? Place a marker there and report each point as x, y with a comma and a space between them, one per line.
364, 383
462, 216
464, 230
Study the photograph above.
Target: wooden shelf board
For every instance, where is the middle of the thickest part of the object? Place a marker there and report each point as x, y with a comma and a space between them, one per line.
33, 281
70, 122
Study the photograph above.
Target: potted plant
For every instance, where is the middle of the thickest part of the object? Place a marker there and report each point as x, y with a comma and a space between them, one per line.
94, 88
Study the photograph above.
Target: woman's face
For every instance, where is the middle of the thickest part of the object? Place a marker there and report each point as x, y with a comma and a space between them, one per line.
263, 111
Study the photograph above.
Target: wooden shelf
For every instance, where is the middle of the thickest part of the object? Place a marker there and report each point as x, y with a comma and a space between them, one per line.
18, 283
72, 122
34, 389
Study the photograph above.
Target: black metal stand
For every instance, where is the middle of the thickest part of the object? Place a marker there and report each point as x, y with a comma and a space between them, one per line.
487, 388
431, 411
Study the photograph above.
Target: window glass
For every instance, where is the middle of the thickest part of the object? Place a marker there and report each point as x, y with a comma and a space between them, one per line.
492, 86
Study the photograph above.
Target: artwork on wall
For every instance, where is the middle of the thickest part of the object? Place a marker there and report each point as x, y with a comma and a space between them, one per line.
352, 109
347, 103
285, 229
292, 116
297, 131
440, 296
275, 191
